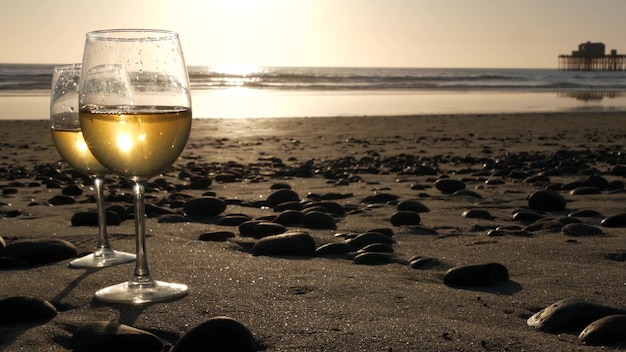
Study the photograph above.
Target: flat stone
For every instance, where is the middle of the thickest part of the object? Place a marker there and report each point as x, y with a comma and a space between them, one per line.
412, 205
476, 275
282, 196
25, 308
204, 206
477, 214
318, 220
580, 229
264, 229
111, 336
605, 331
40, 251
449, 185
217, 334
570, 314
299, 244
546, 200
618, 220
372, 258
333, 248
216, 236
368, 238
405, 217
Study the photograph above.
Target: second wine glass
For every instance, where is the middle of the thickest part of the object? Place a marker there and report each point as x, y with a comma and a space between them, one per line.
135, 114
70, 144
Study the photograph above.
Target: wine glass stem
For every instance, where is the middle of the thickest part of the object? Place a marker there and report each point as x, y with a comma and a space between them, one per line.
103, 240
142, 273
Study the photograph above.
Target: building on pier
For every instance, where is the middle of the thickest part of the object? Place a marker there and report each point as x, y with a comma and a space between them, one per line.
591, 57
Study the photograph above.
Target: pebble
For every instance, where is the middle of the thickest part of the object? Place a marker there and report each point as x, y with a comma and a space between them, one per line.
467, 193
605, 331
333, 248
264, 229
25, 308
61, 200
331, 207
217, 334
289, 217
477, 214
584, 190
372, 258
377, 247
293, 205
585, 213
476, 275
546, 200
412, 205
368, 238
233, 219
246, 229
423, 263
318, 220
90, 218
111, 336
618, 220
580, 229
405, 217
421, 230
216, 236
297, 243
204, 206
40, 251
449, 185
282, 196
570, 314
201, 183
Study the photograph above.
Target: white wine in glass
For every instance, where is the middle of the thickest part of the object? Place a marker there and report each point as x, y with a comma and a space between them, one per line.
70, 144
135, 114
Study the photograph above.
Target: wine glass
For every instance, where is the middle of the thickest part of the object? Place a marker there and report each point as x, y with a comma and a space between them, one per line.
70, 144
135, 114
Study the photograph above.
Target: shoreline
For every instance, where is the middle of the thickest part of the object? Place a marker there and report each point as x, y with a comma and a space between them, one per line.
330, 303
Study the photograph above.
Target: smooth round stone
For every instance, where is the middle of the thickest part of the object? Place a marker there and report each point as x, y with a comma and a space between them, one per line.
580, 229
331, 207
120, 211
246, 229
11, 263
289, 217
280, 185
24, 308
318, 220
293, 205
282, 196
334, 248
421, 230
368, 238
584, 213
605, 331
477, 214
299, 244
217, 334
40, 251
233, 219
584, 190
383, 230
615, 185
405, 217
111, 336
372, 258
264, 229
467, 193
546, 200
596, 181
423, 263
377, 247
153, 211
72, 190
618, 170
204, 206
476, 275
618, 220
216, 236
61, 200
570, 314
90, 218
412, 205
201, 183
449, 185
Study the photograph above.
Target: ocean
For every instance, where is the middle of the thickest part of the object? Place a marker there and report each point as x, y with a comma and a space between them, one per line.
249, 92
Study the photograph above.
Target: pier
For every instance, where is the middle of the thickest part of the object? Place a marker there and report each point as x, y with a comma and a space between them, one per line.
591, 57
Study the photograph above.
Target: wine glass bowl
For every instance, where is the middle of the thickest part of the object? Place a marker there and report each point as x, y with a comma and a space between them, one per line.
69, 142
135, 114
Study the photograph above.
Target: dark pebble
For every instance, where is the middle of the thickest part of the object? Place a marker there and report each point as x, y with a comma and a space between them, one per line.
405, 217
318, 220
204, 206
293, 205
331, 207
334, 248
584, 213
246, 229
216, 236
368, 238
570, 314
24, 308
580, 229
412, 205
605, 331
423, 263
12, 263
201, 183
217, 334
90, 218
449, 185
421, 230
584, 190
40, 251
61, 200
477, 214
72, 190
289, 217
546, 200
618, 170
383, 230
467, 193
476, 275
618, 220
377, 247
298, 243
173, 219
282, 196
110, 336
264, 229
280, 185
233, 219
372, 258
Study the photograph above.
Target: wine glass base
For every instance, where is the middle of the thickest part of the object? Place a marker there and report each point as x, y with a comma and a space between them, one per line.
102, 259
131, 292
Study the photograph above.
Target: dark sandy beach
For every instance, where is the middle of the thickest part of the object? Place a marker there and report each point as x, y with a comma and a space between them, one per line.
367, 166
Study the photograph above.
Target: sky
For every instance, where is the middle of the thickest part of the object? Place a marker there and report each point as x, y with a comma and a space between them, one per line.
362, 33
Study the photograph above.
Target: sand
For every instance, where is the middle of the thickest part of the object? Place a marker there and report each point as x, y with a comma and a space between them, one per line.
332, 304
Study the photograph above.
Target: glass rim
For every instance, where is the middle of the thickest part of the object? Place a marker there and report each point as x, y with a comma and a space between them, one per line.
67, 67
132, 34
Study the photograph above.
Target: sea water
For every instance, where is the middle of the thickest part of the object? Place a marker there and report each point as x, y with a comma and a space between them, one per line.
249, 92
